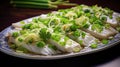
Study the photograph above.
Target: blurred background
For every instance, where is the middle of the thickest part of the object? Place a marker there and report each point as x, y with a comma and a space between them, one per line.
10, 14
106, 58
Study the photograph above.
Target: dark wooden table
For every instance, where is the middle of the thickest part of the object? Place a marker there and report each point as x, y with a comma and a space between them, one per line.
9, 15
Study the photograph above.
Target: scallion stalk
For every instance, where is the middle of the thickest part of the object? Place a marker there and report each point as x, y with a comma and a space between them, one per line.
45, 4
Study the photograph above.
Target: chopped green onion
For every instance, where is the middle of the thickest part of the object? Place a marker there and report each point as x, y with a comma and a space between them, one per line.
20, 39
62, 43
40, 44
27, 26
43, 33
105, 41
15, 34
79, 13
76, 33
64, 20
103, 18
34, 26
52, 47
44, 20
35, 20
66, 38
57, 29
97, 27
86, 26
22, 22
93, 46
107, 25
110, 16
76, 49
93, 19
30, 41
23, 31
98, 21
86, 10
74, 27
80, 42
83, 34
56, 37
88, 15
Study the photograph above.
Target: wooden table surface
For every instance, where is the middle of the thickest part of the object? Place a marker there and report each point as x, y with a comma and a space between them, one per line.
9, 15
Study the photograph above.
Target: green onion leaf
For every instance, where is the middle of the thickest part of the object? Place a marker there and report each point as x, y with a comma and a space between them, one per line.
30, 41
105, 41
62, 43
40, 44
58, 29
22, 22
27, 26
93, 46
103, 18
86, 26
35, 20
80, 42
44, 34
76, 33
107, 25
83, 34
97, 27
15, 34
20, 39
86, 10
56, 37
74, 27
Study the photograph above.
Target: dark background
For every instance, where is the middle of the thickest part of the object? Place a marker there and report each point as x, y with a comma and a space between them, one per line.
9, 15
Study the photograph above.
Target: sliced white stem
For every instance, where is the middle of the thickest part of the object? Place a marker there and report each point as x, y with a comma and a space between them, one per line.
86, 41
113, 22
105, 34
69, 46
44, 50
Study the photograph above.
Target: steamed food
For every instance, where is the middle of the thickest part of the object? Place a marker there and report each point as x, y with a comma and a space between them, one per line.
65, 31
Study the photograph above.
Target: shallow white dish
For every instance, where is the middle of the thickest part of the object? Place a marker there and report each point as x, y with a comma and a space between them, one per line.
4, 47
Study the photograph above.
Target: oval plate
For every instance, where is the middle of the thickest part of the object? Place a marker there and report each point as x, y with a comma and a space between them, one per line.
5, 48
